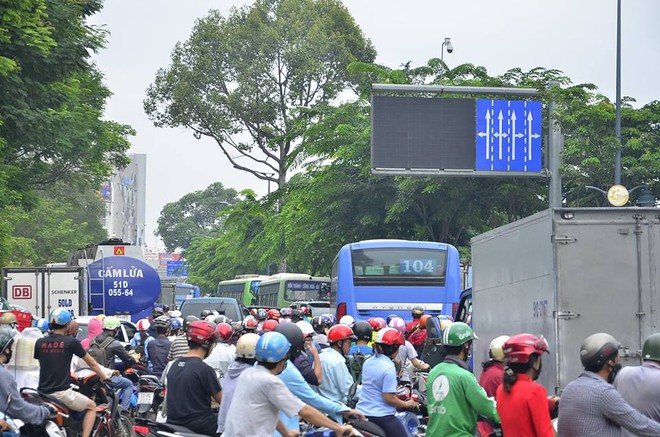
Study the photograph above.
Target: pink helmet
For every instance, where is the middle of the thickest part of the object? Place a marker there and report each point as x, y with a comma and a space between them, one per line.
398, 324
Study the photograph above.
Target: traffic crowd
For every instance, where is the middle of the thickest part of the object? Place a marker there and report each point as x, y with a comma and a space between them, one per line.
277, 368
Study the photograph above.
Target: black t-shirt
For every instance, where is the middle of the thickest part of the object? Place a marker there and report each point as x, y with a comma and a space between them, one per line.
190, 385
54, 353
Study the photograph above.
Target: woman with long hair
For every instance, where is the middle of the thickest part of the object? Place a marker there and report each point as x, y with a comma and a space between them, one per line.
521, 402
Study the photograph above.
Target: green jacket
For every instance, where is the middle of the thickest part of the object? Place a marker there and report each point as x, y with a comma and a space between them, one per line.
455, 398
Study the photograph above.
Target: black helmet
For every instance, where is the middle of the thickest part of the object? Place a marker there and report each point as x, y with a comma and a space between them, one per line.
205, 313
161, 322
597, 349
295, 336
157, 311
362, 330
417, 312
188, 320
6, 339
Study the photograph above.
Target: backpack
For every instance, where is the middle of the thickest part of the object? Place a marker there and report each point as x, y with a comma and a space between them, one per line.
97, 350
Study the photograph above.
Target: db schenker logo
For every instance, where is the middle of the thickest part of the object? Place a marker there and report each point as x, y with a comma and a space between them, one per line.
21, 291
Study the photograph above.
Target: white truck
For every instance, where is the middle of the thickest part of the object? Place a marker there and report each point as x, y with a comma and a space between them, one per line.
42, 289
566, 274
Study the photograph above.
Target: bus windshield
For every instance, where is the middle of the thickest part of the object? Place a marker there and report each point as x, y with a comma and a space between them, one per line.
306, 291
399, 266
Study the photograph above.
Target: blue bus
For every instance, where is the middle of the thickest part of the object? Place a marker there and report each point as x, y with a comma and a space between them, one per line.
375, 278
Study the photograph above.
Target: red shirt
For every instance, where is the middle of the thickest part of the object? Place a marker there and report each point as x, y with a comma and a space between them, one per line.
524, 411
490, 379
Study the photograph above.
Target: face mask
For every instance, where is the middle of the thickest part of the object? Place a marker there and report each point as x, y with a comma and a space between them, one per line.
615, 370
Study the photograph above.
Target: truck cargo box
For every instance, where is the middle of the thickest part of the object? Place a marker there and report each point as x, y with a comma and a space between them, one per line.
566, 274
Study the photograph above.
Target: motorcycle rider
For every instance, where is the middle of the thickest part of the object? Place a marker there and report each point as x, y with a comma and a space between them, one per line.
294, 380
246, 349
361, 350
454, 396
337, 378
491, 376
263, 394
522, 403
640, 385
158, 348
54, 353
192, 383
112, 350
179, 346
407, 353
590, 405
378, 400
308, 361
223, 353
11, 401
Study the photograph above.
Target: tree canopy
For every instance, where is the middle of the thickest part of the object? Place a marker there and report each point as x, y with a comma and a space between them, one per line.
336, 200
195, 214
249, 80
52, 100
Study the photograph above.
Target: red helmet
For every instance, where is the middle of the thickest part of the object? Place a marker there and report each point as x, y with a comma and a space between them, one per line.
224, 331
269, 325
340, 332
305, 310
273, 314
520, 347
250, 323
389, 337
376, 324
202, 333
253, 312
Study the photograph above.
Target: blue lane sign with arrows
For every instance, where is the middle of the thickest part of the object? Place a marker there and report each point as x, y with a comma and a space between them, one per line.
508, 135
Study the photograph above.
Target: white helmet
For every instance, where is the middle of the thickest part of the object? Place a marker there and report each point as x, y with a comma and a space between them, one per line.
496, 350
305, 327
347, 320
246, 346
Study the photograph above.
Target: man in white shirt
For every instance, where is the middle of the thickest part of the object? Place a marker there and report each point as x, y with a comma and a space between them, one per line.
261, 393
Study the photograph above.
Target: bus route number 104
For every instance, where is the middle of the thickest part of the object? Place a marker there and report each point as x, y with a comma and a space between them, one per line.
418, 266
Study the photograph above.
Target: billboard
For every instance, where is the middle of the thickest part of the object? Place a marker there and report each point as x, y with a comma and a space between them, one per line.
455, 136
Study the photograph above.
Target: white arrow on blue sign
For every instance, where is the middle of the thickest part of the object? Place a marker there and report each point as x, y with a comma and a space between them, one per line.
508, 135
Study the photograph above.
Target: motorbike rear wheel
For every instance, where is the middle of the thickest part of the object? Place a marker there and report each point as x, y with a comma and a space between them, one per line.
122, 426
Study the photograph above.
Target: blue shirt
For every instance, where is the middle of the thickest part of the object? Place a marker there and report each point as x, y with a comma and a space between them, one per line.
365, 350
135, 342
590, 406
378, 377
295, 382
337, 380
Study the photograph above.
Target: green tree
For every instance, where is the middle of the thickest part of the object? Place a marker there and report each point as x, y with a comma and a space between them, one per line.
66, 217
195, 214
233, 248
51, 104
249, 80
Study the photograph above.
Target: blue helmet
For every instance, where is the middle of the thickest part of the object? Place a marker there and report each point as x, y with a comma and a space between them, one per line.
42, 324
272, 347
175, 323
59, 316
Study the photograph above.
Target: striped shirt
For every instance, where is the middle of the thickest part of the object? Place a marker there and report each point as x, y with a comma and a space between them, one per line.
590, 406
178, 348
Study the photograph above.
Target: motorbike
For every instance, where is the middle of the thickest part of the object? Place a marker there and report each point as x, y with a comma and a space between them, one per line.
149, 428
150, 393
361, 428
110, 421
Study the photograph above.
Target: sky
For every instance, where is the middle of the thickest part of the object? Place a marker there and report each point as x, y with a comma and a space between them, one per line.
577, 37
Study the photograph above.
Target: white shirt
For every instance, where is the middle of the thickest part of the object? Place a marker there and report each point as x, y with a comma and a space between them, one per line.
258, 398
221, 357
406, 353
